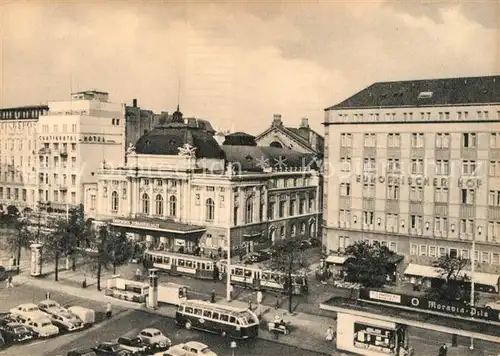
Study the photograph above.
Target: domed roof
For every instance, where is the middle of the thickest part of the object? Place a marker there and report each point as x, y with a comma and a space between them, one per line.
166, 140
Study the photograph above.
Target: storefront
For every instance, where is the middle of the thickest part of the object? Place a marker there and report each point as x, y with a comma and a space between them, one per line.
162, 234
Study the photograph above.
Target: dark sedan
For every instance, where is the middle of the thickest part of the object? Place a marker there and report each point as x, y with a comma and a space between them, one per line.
14, 333
133, 344
111, 349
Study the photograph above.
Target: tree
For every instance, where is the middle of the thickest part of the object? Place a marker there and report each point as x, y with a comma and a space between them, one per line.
60, 242
77, 227
287, 258
112, 249
21, 238
454, 284
369, 264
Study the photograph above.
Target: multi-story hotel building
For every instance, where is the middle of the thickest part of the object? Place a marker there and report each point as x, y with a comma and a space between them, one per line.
179, 187
18, 144
416, 166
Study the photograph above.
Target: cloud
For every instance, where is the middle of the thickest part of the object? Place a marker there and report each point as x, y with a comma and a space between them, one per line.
237, 63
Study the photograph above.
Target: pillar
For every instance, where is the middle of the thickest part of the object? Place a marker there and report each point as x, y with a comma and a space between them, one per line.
153, 288
36, 260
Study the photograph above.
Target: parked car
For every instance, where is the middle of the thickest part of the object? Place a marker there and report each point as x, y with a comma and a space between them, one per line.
133, 343
14, 333
66, 321
42, 327
86, 315
194, 348
254, 257
51, 307
28, 310
82, 352
154, 337
111, 349
493, 305
171, 352
3, 273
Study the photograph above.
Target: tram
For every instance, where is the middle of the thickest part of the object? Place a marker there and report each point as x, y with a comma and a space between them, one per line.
181, 264
260, 278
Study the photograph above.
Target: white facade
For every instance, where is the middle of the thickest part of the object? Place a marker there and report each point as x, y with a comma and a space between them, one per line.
423, 180
174, 201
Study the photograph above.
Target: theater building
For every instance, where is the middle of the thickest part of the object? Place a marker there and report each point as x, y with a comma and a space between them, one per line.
416, 166
180, 188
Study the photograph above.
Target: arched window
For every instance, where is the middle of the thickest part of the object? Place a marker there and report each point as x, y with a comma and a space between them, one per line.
159, 205
312, 229
303, 228
273, 234
172, 205
145, 203
114, 202
249, 211
210, 209
293, 230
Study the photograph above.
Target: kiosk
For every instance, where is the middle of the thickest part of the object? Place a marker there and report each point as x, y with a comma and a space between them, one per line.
36, 260
153, 288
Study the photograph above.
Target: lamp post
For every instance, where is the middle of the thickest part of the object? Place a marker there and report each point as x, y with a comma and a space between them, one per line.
472, 268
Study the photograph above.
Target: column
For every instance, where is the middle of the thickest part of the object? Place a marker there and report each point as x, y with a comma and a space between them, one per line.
36, 260
130, 201
153, 288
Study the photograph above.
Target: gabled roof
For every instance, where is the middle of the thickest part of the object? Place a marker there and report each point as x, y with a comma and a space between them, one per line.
291, 132
427, 92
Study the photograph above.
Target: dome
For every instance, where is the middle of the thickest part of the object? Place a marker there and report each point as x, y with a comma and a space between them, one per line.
166, 140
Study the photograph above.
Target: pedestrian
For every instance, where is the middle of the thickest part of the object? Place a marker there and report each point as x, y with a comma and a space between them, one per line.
212, 297
260, 297
278, 301
231, 291
10, 284
330, 335
108, 310
443, 350
249, 304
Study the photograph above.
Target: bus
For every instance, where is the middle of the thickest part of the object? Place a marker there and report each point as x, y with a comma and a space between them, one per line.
180, 264
264, 279
219, 319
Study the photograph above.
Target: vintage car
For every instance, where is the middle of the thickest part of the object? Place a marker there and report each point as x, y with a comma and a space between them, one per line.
133, 343
81, 352
111, 349
28, 310
51, 307
192, 348
14, 333
42, 327
66, 321
154, 337
86, 315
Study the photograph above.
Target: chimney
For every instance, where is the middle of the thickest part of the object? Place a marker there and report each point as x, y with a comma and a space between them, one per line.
134, 103
277, 120
304, 123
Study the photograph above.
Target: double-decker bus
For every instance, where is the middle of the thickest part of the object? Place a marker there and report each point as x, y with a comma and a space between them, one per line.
218, 319
180, 264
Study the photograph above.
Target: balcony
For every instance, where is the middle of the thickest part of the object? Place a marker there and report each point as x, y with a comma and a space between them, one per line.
44, 151
63, 153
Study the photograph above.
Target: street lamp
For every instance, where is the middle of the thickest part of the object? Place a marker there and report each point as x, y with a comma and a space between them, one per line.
473, 266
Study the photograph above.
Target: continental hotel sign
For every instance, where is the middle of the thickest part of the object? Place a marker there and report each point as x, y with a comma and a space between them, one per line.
421, 181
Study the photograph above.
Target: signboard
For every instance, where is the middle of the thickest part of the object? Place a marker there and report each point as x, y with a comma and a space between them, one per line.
132, 223
456, 308
420, 181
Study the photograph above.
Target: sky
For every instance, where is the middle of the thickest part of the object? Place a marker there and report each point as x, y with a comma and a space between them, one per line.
238, 63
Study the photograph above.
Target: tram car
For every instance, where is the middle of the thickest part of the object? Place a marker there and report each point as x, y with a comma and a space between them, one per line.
181, 264
260, 278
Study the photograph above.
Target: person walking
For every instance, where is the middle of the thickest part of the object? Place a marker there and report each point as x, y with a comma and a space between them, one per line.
260, 297
9, 282
443, 350
212, 297
330, 334
108, 310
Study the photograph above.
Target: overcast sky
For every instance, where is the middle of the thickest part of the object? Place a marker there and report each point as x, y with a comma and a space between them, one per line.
238, 64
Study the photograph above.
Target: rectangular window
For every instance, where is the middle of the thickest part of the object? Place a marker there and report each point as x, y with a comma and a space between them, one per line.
469, 168
495, 140
392, 221
370, 140
346, 140
469, 140
485, 257
369, 190
393, 165
369, 165
344, 217
423, 250
345, 164
393, 140
442, 167
494, 198
441, 195
413, 249
468, 196
443, 140
345, 189
417, 166
442, 251
417, 194
393, 192
368, 217
432, 251
417, 140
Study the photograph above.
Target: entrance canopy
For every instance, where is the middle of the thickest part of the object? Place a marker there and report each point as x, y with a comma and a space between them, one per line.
487, 279
160, 225
336, 259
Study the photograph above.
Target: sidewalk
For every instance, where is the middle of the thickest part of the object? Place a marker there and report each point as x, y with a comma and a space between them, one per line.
307, 330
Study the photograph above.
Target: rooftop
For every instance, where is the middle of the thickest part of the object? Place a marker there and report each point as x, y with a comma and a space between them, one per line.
426, 92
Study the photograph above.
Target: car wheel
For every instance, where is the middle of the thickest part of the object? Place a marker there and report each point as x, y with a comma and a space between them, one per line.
188, 325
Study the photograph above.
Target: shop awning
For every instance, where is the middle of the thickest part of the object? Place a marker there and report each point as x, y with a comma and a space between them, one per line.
489, 279
335, 259
158, 225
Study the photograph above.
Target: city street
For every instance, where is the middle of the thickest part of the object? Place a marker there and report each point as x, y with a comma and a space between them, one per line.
123, 322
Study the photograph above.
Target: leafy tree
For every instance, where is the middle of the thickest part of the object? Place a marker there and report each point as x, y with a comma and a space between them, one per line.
77, 228
60, 242
454, 284
20, 239
287, 258
112, 249
369, 264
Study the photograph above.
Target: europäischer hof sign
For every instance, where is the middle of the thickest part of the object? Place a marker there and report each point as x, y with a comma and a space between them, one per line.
421, 181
